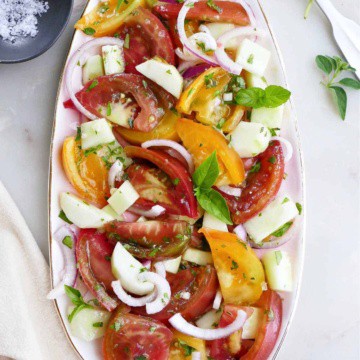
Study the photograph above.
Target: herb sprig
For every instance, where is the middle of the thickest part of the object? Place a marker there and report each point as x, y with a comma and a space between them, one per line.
210, 200
76, 298
333, 67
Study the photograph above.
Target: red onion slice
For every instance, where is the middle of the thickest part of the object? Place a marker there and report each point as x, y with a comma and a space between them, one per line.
174, 145
186, 65
115, 173
129, 217
222, 57
72, 63
240, 232
286, 146
163, 291
131, 300
196, 70
154, 212
70, 270
180, 324
217, 300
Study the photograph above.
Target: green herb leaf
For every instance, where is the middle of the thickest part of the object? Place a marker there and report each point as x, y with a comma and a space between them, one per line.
118, 5
63, 216
127, 41
251, 97
73, 294
188, 350
67, 241
89, 31
255, 168
276, 96
234, 265
98, 324
212, 202
140, 357
92, 85
272, 159
299, 207
349, 82
108, 109
212, 5
282, 230
341, 100
324, 64
206, 174
78, 134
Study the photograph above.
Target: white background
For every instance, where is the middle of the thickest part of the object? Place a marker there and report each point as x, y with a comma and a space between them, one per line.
326, 322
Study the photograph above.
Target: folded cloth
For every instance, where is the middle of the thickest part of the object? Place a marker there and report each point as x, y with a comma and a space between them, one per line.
30, 328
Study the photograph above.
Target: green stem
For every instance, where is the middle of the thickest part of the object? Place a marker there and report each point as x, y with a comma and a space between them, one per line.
308, 7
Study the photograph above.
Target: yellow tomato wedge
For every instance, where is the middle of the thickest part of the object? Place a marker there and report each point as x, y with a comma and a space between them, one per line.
88, 174
179, 344
202, 96
201, 141
107, 16
239, 270
165, 130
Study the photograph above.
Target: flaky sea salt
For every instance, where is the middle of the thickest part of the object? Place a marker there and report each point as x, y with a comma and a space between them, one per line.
18, 18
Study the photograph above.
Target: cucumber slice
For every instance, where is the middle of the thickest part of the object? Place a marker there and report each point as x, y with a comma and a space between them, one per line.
93, 68
270, 117
114, 62
120, 113
250, 139
164, 74
272, 218
253, 80
172, 265
209, 319
89, 324
109, 210
253, 57
211, 222
95, 133
251, 326
217, 29
126, 268
278, 270
82, 214
124, 197
198, 256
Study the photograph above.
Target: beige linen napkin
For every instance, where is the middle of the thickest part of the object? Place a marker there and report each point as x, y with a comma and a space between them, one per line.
29, 325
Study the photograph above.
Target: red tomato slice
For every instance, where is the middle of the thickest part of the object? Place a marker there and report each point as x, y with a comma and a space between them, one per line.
261, 187
202, 284
228, 348
231, 12
154, 188
151, 239
95, 269
148, 37
178, 174
136, 88
130, 337
269, 329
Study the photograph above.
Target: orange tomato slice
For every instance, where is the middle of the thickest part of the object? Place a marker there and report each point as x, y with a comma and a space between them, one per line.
165, 130
239, 270
88, 174
106, 17
201, 141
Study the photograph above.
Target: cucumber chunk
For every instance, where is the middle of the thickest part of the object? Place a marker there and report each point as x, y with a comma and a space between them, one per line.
279, 212
95, 133
253, 80
114, 62
172, 265
124, 197
93, 68
198, 256
250, 139
251, 326
270, 117
211, 222
278, 270
89, 324
209, 319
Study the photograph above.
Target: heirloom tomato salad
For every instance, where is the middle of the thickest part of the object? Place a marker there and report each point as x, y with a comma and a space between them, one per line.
175, 167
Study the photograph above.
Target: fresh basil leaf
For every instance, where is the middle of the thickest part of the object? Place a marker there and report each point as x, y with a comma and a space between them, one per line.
324, 64
282, 230
212, 202
332, 60
73, 294
352, 83
63, 216
252, 97
341, 100
276, 96
206, 174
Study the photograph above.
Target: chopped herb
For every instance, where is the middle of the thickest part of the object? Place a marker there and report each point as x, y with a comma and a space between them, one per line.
270, 314
98, 324
103, 9
76, 298
108, 109
221, 123
234, 265
92, 85
188, 350
255, 168
145, 84
131, 123
210, 81
216, 93
299, 207
89, 31
168, 72
176, 181
212, 5
250, 59
273, 131
282, 230
116, 35
107, 258
152, 329
285, 200
202, 46
272, 159
127, 41
117, 325
153, 252
63, 216
140, 357
190, 5
190, 92
78, 134
172, 109
67, 241
118, 5
278, 257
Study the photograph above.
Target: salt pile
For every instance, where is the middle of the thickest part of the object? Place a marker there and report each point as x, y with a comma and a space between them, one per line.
18, 18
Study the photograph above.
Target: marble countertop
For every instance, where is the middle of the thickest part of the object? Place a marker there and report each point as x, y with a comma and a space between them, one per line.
326, 324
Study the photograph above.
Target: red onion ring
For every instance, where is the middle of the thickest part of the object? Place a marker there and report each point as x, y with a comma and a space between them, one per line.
115, 172
70, 269
72, 63
180, 324
240, 232
174, 145
287, 145
195, 70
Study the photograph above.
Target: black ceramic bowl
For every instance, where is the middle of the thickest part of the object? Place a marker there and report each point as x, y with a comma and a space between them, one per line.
50, 26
